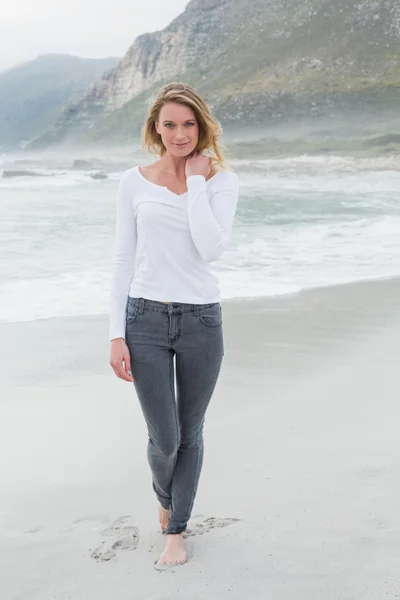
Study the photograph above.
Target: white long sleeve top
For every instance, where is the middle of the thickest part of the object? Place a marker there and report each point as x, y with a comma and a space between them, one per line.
165, 242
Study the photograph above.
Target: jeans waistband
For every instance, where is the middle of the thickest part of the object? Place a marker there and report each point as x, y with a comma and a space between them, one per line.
142, 304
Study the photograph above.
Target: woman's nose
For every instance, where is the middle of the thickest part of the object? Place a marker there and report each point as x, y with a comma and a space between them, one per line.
180, 133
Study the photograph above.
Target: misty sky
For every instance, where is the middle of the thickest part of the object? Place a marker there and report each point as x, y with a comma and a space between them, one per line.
89, 28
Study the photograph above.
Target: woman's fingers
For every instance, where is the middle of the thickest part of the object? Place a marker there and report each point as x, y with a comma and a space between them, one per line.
120, 359
127, 365
121, 373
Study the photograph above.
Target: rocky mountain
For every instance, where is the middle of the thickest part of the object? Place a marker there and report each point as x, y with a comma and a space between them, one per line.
33, 94
268, 61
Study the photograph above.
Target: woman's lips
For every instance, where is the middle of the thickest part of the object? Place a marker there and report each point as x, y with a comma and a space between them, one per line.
182, 145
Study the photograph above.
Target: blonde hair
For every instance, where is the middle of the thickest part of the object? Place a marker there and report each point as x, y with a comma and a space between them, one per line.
210, 129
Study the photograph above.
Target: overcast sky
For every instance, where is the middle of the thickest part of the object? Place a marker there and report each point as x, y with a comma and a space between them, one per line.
89, 28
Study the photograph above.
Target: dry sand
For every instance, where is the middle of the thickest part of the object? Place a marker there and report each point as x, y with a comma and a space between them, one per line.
299, 497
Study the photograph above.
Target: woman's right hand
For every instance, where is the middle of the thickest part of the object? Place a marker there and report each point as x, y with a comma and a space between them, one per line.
120, 359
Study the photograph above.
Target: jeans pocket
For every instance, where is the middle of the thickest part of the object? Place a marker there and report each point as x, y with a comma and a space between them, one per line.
131, 314
211, 316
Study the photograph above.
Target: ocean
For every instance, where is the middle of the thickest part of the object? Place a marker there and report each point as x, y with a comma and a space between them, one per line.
301, 223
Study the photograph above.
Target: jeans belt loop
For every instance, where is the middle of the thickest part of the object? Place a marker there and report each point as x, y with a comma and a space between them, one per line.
141, 305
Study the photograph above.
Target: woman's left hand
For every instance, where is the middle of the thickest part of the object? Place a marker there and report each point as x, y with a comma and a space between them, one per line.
198, 164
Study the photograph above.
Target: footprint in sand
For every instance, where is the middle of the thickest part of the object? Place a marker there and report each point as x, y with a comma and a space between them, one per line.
127, 538
87, 523
200, 525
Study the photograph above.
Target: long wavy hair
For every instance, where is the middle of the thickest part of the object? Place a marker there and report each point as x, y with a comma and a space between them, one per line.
210, 129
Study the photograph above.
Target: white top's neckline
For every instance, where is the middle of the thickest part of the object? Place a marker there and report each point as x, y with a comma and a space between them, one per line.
164, 187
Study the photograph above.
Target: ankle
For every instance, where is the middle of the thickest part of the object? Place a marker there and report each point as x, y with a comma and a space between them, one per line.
174, 536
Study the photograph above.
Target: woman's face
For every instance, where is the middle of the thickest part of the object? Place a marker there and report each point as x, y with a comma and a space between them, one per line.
179, 128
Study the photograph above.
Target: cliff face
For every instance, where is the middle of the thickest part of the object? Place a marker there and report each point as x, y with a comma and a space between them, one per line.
154, 57
251, 60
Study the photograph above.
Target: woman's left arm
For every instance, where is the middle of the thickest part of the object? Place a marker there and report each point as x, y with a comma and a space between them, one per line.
211, 219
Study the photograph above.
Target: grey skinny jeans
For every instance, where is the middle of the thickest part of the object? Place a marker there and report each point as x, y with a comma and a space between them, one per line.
155, 334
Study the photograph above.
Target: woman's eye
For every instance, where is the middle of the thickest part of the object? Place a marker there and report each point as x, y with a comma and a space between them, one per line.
169, 125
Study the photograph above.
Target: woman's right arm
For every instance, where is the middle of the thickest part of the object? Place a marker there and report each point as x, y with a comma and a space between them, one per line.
122, 273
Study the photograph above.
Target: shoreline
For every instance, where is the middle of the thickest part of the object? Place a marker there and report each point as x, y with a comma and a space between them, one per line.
239, 299
292, 319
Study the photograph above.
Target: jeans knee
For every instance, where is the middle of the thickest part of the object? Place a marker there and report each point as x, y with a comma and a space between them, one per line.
192, 435
168, 447
192, 439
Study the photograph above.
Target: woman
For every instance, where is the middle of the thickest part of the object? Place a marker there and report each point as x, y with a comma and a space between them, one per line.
174, 217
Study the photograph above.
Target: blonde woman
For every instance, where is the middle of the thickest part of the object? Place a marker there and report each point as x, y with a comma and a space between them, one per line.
174, 218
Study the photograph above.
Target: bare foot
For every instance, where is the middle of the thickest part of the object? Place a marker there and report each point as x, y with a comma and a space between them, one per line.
175, 552
163, 514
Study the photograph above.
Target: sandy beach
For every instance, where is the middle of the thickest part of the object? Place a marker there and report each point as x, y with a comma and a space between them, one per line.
299, 497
